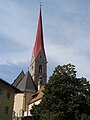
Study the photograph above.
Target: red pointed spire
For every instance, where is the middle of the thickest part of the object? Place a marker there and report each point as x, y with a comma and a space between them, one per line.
39, 44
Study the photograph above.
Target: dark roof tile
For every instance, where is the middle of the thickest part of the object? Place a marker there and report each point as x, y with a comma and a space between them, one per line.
27, 84
18, 79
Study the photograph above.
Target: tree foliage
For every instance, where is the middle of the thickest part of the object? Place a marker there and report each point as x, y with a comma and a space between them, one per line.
66, 97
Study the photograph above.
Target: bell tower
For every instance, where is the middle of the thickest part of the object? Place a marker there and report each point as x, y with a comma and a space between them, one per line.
38, 67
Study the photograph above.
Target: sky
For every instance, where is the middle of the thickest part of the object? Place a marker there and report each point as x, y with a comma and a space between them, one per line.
66, 27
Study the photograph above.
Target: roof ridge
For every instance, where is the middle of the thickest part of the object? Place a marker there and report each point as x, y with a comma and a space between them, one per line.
21, 73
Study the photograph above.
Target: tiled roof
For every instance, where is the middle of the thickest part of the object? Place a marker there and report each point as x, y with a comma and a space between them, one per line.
37, 96
27, 84
18, 79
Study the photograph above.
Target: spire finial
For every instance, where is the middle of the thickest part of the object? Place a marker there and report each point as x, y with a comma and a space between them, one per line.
40, 3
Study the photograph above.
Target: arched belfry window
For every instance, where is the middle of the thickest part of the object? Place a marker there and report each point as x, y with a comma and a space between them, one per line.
40, 68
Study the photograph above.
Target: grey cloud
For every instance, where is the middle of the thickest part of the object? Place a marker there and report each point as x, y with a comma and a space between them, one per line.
9, 46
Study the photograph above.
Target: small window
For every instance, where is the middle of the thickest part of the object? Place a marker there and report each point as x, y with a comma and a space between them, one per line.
8, 95
0, 91
40, 68
6, 109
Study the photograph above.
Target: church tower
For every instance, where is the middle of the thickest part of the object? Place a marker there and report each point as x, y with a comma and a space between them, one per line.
38, 67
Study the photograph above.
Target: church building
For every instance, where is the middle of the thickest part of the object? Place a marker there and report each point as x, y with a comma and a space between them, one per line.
32, 82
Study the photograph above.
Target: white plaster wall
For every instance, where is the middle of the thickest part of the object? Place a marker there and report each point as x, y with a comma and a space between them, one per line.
18, 104
30, 106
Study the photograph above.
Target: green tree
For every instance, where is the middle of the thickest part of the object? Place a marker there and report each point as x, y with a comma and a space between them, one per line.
66, 97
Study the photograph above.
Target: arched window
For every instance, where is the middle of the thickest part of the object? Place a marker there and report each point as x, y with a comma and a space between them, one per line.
40, 68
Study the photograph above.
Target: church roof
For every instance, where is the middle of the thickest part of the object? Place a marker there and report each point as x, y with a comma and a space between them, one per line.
18, 79
37, 96
39, 44
27, 84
